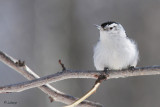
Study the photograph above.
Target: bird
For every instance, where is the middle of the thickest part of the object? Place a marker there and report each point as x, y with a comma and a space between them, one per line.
114, 49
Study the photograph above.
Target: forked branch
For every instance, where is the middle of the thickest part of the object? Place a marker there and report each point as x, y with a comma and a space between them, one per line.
24, 70
43, 82
141, 71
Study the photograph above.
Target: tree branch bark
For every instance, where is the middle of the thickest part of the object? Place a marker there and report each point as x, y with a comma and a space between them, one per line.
48, 89
141, 71
43, 83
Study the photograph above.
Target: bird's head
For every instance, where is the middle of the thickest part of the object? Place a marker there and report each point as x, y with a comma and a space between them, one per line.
111, 29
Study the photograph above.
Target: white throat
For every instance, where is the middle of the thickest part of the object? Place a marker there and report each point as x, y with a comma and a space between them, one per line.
107, 36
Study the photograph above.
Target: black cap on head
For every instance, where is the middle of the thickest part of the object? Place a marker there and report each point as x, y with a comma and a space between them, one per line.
107, 23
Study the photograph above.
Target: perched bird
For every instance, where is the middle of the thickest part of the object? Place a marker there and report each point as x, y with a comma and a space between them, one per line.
114, 49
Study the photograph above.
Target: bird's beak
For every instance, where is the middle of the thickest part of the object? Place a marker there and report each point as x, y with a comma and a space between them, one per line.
98, 27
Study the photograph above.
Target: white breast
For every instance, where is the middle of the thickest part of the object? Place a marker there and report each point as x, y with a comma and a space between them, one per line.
115, 53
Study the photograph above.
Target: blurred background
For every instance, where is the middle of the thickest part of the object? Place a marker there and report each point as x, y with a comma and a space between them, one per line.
43, 31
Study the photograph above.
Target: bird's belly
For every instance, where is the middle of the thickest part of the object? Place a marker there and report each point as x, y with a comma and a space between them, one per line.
115, 59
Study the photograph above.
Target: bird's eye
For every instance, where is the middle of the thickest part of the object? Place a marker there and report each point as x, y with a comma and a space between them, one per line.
111, 28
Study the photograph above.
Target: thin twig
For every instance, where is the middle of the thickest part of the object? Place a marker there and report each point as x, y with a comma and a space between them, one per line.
93, 90
62, 65
48, 89
89, 93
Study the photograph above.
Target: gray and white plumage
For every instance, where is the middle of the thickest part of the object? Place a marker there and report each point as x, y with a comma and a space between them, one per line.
114, 49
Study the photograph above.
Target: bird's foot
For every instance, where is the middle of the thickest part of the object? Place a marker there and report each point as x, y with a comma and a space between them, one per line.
131, 68
106, 71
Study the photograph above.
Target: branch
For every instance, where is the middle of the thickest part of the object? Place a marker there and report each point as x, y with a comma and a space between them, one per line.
59, 96
62, 65
21, 68
141, 71
89, 93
